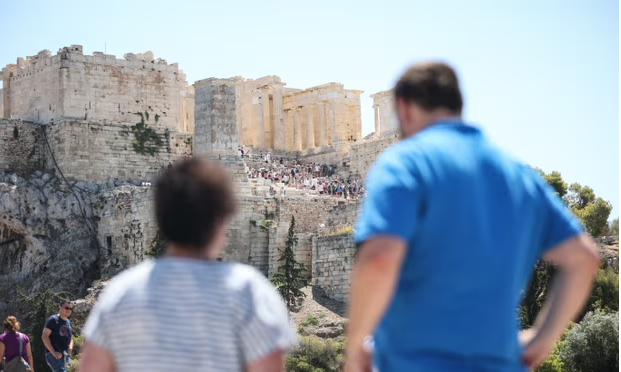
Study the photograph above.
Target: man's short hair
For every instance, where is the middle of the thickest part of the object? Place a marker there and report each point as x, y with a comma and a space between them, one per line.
63, 301
431, 86
191, 199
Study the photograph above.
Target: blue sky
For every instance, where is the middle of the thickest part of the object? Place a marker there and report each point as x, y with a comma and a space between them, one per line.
540, 77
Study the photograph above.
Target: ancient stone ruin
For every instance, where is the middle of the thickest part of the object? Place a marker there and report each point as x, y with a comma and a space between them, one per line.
82, 139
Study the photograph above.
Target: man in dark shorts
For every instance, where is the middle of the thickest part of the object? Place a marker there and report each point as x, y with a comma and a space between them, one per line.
57, 338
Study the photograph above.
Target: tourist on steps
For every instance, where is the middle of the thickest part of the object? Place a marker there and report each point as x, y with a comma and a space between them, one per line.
57, 338
187, 311
15, 348
449, 234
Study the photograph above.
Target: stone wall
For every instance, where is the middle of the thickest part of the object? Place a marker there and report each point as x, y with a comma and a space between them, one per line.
126, 226
386, 122
343, 216
22, 146
99, 152
71, 85
215, 115
363, 155
309, 212
333, 260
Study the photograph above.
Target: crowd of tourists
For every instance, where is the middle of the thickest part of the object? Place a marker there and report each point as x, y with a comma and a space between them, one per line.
322, 179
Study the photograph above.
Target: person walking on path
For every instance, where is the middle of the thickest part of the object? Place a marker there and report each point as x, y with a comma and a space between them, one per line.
57, 338
448, 235
15, 347
187, 311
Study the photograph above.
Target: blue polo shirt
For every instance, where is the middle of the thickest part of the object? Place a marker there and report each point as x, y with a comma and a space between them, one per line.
475, 222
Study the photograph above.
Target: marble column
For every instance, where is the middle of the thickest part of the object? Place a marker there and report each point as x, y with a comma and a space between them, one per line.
332, 122
377, 120
279, 121
297, 127
310, 127
258, 138
322, 124
268, 131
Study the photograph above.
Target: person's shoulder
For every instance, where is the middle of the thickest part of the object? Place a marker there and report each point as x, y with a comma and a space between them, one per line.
241, 276
53, 318
124, 282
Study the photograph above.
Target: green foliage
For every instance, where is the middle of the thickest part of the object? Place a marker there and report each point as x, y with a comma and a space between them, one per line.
157, 246
316, 355
264, 225
146, 139
288, 279
594, 216
536, 293
42, 305
605, 294
579, 196
613, 229
593, 344
78, 342
556, 181
554, 363
15, 132
592, 211
310, 320
157, 117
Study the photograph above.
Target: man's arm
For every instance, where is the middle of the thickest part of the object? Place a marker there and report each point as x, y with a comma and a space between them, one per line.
70, 350
48, 344
577, 261
373, 282
95, 359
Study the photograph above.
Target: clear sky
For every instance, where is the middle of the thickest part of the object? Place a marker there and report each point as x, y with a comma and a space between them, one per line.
540, 77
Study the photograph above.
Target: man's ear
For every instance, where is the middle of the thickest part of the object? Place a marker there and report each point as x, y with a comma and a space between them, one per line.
404, 111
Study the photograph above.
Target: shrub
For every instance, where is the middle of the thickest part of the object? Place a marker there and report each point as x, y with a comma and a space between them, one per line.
593, 344
605, 294
554, 363
310, 320
316, 355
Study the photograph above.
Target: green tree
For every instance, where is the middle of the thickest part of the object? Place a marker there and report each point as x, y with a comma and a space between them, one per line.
593, 344
594, 216
556, 181
42, 306
579, 196
536, 293
288, 279
614, 227
316, 355
605, 294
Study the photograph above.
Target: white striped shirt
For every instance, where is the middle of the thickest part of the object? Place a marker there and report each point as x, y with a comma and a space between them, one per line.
180, 314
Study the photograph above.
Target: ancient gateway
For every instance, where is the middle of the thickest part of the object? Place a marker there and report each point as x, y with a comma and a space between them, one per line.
83, 137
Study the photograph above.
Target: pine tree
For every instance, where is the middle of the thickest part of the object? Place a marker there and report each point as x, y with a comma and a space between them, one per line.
288, 279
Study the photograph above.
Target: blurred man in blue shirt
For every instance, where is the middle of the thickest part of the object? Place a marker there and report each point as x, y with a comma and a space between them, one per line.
449, 234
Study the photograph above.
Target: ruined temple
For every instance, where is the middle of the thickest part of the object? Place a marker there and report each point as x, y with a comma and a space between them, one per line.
75, 184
